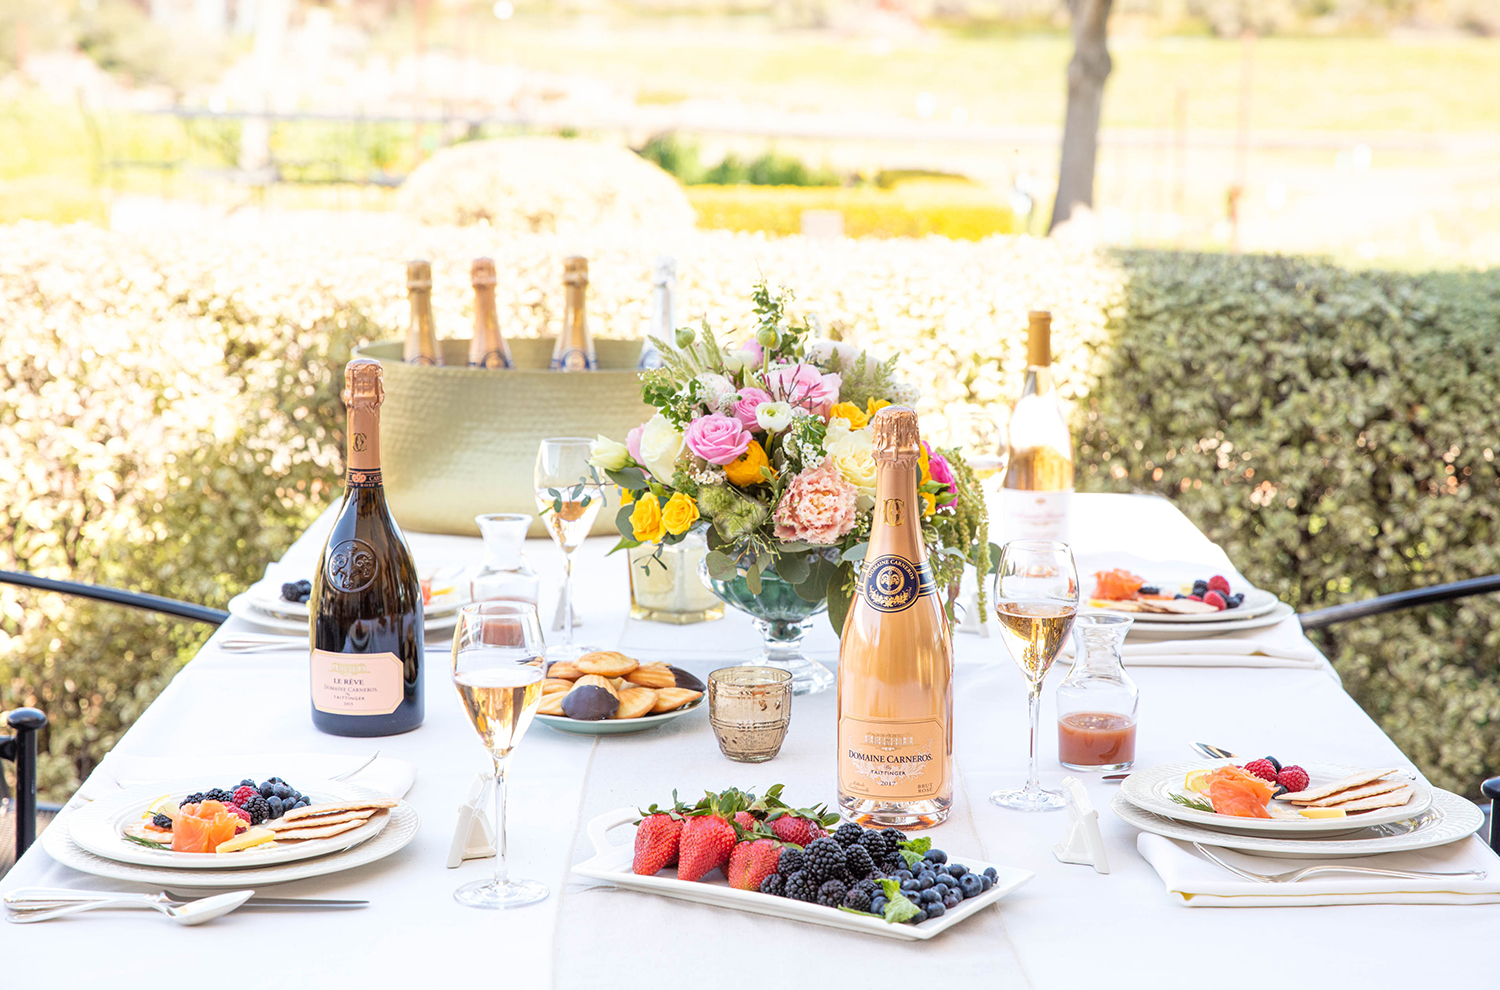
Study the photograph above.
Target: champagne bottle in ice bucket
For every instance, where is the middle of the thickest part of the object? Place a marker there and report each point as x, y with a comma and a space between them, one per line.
421, 337
487, 348
574, 350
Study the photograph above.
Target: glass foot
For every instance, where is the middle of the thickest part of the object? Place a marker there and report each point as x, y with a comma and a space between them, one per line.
1028, 799
808, 677
495, 895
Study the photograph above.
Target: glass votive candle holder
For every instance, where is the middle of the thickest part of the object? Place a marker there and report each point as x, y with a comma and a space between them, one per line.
750, 709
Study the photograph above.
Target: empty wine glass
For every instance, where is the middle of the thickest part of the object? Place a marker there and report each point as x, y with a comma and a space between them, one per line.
1036, 600
498, 660
569, 495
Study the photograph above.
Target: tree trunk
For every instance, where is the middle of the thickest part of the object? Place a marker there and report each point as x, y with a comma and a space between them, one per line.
1086, 74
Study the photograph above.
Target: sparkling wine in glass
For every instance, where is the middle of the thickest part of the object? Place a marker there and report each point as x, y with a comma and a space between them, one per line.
498, 661
569, 495
1036, 601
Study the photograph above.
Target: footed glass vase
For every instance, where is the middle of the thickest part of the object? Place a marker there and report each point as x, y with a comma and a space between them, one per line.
783, 617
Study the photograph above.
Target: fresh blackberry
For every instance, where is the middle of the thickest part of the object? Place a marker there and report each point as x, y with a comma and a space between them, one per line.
191, 799
161, 821
219, 794
1147, 589
832, 893
799, 887
258, 808
857, 861
825, 858
790, 862
868, 886
874, 844
775, 884
848, 834
893, 839
857, 899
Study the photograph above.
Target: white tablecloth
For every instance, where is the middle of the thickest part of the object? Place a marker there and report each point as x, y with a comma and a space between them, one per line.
1068, 928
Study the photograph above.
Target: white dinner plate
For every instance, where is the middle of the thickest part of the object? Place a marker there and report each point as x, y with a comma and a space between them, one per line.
1256, 603
1449, 818
1151, 789
241, 607
265, 595
1278, 613
98, 828
612, 863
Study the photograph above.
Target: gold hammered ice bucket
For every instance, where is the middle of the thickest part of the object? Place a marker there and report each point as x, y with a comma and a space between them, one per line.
456, 442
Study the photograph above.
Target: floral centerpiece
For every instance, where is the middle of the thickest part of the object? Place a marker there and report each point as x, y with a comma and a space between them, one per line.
767, 447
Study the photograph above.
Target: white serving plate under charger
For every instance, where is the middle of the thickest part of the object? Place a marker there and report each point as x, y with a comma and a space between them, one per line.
612, 863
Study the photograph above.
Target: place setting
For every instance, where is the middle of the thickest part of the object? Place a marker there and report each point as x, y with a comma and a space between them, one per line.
278, 602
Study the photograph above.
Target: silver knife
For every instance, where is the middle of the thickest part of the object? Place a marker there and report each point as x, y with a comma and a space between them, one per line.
40, 898
1213, 752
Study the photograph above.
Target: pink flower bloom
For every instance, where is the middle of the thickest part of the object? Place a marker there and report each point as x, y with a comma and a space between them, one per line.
937, 467
744, 409
752, 353
817, 507
633, 443
717, 438
805, 386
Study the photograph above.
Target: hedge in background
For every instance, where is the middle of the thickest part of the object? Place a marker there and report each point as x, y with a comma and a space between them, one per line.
1337, 434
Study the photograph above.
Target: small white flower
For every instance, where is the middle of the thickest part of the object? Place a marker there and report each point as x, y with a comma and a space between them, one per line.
774, 417
705, 473
905, 394
716, 390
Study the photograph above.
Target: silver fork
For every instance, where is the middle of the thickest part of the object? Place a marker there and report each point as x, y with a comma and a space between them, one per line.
350, 773
1292, 876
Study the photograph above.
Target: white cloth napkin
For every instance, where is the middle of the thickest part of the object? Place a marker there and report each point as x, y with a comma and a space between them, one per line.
1281, 645
1195, 881
391, 776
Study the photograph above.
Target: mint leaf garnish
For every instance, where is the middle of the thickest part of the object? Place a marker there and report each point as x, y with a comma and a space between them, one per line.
914, 850
898, 908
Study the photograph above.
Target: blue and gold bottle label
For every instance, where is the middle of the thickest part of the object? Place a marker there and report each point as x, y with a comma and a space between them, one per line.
891, 583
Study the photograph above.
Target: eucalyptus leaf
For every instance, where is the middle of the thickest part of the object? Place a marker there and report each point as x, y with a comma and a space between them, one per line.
793, 567
630, 478
622, 522
752, 578
839, 598
856, 552
721, 566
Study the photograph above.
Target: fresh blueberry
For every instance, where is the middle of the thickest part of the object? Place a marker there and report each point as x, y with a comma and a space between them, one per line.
1200, 587
986, 882
992, 873
957, 870
936, 856
918, 918
247, 783
953, 901
971, 885
909, 885
903, 875
877, 906
925, 881
931, 896
947, 881
936, 910
281, 790
1149, 590
268, 790
274, 803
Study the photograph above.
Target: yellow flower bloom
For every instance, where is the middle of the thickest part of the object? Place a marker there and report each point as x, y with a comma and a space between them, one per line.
680, 513
645, 519
874, 406
931, 501
924, 459
851, 413
626, 496
745, 469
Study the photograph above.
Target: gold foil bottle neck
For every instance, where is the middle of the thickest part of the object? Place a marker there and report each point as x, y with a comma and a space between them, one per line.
418, 275
576, 270
1039, 338
895, 435
363, 385
482, 272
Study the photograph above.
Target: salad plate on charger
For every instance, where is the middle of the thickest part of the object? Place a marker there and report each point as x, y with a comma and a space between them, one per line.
1164, 791
1200, 630
1115, 589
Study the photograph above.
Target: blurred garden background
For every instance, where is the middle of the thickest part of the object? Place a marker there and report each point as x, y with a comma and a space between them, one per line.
1282, 310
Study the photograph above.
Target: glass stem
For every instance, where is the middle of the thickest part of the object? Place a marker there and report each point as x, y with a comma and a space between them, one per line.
567, 599
502, 875
1034, 704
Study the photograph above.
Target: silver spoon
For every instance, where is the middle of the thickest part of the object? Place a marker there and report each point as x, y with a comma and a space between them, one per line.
191, 913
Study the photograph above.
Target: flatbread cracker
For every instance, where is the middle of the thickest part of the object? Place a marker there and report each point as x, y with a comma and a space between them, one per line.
316, 810
1392, 799
1353, 780
316, 832
1353, 794
281, 824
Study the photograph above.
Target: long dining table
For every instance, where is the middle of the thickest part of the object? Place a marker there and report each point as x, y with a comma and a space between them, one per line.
1068, 927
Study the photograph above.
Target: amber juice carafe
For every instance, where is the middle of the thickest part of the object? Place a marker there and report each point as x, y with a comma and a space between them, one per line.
895, 682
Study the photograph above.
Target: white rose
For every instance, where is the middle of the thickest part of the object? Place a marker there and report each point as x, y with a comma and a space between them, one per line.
660, 444
607, 454
832, 354
856, 465
772, 416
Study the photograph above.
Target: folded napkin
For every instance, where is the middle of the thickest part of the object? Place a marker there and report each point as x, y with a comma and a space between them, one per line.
1281, 645
392, 776
1198, 882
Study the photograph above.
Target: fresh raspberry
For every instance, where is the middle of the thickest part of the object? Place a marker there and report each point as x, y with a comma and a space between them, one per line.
1293, 778
237, 810
1264, 769
1217, 600
1195, 598
242, 794
1219, 584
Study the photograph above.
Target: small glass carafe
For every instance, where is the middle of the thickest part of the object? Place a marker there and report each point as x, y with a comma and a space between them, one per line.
505, 575
1096, 704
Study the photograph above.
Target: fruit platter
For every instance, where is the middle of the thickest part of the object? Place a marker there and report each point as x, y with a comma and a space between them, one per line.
1209, 598
607, 693
251, 823
734, 850
1268, 796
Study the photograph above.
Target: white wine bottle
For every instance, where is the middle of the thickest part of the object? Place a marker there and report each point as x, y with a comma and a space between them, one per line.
366, 604
487, 348
421, 337
663, 320
895, 704
574, 350
1036, 497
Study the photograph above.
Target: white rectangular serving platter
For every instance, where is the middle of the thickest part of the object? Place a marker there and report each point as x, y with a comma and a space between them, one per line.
612, 863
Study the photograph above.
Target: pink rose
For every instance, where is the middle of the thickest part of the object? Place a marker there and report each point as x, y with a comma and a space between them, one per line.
817, 507
633, 443
937, 467
752, 353
717, 438
805, 386
744, 409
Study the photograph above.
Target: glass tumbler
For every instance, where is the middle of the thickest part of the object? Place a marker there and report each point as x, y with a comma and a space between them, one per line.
750, 709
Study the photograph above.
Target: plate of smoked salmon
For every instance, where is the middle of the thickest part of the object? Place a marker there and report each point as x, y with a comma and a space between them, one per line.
1264, 798
1175, 594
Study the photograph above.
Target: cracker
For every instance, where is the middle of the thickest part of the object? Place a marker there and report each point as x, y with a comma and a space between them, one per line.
1392, 799
1353, 794
316, 832
316, 810
1353, 780
281, 824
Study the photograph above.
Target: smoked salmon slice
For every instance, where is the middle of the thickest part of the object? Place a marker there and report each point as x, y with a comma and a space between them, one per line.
1118, 585
1232, 791
199, 828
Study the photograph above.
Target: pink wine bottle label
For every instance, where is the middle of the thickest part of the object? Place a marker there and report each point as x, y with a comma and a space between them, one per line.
356, 683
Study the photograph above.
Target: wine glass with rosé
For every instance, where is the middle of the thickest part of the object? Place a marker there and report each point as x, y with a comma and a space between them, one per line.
1036, 601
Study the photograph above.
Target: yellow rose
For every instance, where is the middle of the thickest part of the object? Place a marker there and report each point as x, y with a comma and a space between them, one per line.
680, 513
851, 413
874, 406
626, 496
931, 501
745, 469
856, 465
645, 519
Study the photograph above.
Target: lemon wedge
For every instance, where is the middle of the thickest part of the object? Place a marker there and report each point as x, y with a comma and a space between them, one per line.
1194, 781
1323, 813
163, 805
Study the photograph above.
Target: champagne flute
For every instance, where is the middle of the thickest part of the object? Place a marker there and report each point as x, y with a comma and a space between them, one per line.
569, 495
1036, 599
498, 659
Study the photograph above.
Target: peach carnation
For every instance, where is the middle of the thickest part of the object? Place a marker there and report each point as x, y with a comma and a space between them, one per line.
817, 507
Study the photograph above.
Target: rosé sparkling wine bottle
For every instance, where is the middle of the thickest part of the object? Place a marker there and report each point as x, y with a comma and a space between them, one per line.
895, 721
1036, 497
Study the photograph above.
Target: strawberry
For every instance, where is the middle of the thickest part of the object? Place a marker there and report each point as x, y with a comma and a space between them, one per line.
751, 862
656, 843
745, 820
796, 829
704, 846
